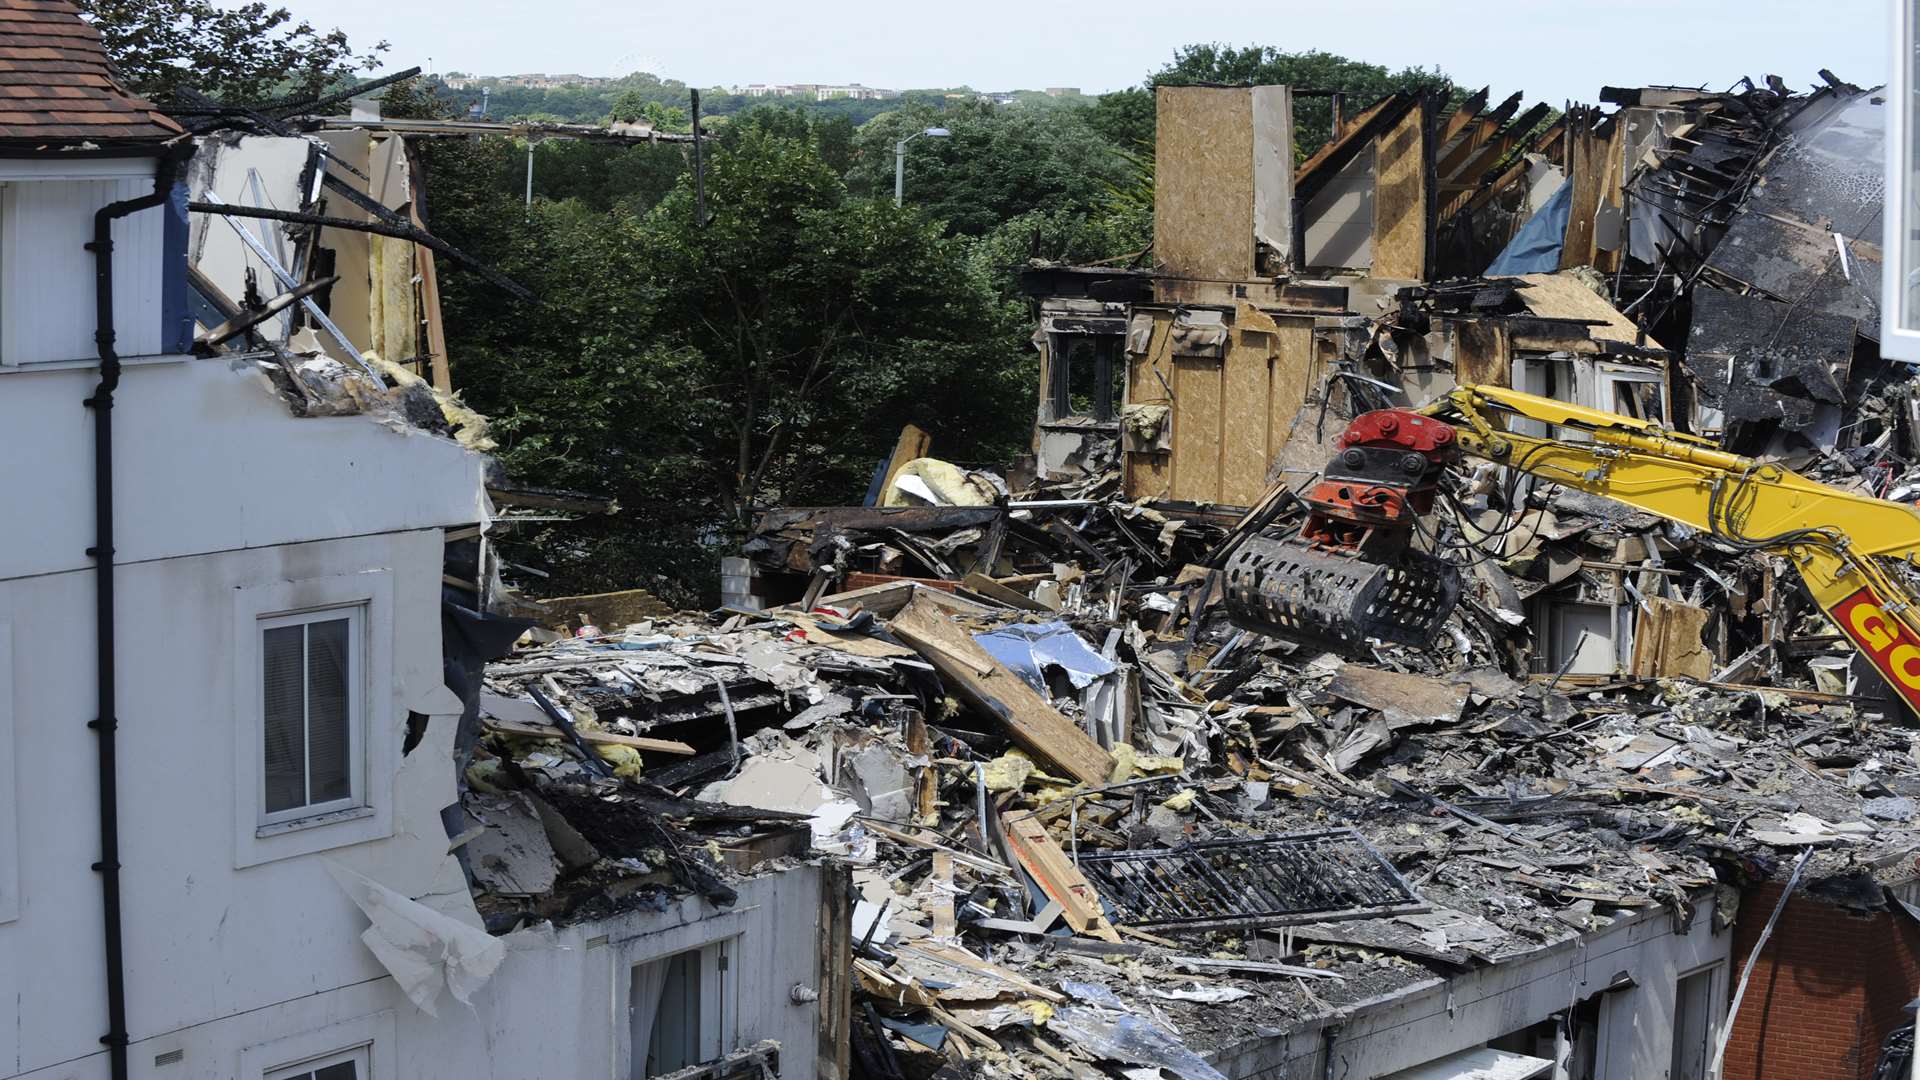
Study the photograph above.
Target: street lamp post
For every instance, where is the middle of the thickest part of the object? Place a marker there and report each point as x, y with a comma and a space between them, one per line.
900, 161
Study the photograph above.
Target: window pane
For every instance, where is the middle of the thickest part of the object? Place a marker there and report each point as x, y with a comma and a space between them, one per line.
282, 651
329, 743
342, 1071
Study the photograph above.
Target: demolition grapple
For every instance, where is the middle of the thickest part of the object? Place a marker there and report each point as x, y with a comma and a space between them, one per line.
1351, 572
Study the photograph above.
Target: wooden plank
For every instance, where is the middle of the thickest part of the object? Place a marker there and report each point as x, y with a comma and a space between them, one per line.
1030, 720
926, 778
955, 956
1400, 198
970, 861
944, 924
515, 727
1585, 163
993, 590
1057, 876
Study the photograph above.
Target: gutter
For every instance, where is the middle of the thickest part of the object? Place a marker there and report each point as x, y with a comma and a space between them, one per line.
166, 172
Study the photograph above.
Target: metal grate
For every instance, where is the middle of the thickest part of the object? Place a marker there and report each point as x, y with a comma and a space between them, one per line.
1261, 881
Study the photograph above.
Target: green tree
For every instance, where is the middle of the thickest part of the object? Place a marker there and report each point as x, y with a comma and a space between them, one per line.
998, 162
820, 322
1124, 118
697, 374
1256, 65
240, 54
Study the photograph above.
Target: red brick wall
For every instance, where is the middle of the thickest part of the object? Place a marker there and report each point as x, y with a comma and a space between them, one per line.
1829, 986
861, 581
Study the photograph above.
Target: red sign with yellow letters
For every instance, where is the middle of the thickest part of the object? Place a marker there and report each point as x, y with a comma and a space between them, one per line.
1886, 641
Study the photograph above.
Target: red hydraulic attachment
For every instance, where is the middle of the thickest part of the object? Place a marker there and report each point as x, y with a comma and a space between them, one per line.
1384, 476
1352, 574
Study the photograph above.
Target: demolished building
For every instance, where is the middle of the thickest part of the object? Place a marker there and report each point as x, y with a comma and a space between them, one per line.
1600, 653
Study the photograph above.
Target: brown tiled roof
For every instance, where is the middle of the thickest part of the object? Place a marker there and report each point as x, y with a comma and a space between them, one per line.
57, 87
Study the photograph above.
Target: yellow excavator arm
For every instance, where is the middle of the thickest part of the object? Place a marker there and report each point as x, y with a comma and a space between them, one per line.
1365, 508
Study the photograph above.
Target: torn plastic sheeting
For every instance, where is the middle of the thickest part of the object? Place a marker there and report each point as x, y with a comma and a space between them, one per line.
421, 948
1535, 249
1029, 648
1125, 1037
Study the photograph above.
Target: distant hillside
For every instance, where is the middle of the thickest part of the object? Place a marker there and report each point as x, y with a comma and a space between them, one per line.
594, 104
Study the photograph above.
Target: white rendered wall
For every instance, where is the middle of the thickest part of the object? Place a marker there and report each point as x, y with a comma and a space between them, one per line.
209, 459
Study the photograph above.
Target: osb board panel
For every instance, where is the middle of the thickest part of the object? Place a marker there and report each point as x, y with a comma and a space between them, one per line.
1147, 474
1289, 378
1230, 416
1400, 200
1585, 164
1198, 401
1203, 182
1562, 296
1246, 422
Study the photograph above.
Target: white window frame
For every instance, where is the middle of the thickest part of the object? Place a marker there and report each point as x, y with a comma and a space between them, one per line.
378, 718
1896, 341
9, 794
719, 941
371, 1035
361, 1058
356, 618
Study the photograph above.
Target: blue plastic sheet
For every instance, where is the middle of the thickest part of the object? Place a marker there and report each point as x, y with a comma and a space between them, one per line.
1535, 249
1030, 648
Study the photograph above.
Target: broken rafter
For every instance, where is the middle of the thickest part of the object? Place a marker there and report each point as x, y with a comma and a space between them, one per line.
400, 231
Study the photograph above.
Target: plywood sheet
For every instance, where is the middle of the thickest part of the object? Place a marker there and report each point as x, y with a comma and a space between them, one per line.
1203, 193
1400, 200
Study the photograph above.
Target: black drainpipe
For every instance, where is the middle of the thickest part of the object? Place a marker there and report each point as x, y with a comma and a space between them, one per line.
101, 402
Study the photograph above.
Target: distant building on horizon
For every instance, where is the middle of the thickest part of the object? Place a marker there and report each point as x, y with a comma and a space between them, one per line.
533, 81
816, 91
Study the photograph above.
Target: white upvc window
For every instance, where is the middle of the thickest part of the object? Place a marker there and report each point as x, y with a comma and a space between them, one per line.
312, 713
317, 718
350, 1065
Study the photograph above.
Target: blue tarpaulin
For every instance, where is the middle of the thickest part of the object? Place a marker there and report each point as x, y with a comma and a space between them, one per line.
1535, 249
1029, 648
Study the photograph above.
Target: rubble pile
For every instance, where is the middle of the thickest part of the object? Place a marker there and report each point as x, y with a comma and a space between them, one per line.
1081, 820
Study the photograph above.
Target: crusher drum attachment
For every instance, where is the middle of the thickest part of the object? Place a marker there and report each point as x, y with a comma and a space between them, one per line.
1289, 590
1351, 573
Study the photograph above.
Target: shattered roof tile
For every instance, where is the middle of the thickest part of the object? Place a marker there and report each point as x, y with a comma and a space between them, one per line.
58, 87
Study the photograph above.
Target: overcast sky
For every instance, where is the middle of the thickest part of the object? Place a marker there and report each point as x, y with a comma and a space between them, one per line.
1553, 49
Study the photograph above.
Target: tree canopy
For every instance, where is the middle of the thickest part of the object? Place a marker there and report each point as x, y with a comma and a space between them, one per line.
235, 54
